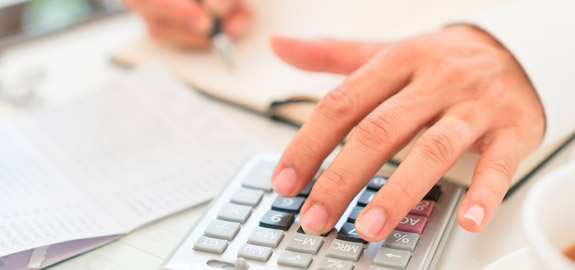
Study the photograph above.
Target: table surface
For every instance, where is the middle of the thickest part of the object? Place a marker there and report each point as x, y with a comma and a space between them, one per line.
78, 61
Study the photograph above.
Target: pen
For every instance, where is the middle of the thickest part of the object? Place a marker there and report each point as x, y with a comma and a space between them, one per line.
222, 44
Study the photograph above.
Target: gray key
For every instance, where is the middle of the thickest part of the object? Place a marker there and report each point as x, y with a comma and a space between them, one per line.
277, 220
265, 237
305, 243
222, 229
337, 264
211, 245
294, 259
346, 250
375, 267
247, 196
393, 258
260, 177
401, 240
288, 204
253, 252
235, 212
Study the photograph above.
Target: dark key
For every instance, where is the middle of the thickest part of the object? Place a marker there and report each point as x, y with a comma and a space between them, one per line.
307, 190
288, 204
366, 197
300, 230
354, 213
348, 233
277, 220
376, 182
433, 194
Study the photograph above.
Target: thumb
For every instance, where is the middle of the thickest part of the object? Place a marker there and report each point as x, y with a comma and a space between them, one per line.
325, 55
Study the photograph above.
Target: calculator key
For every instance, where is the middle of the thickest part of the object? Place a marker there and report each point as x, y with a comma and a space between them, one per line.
423, 208
393, 258
247, 196
211, 245
376, 182
300, 230
376, 267
411, 223
265, 237
260, 177
433, 194
348, 233
401, 240
254, 252
335, 264
222, 229
288, 204
277, 220
307, 189
366, 197
305, 243
354, 213
235, 212
295, 259
346, 250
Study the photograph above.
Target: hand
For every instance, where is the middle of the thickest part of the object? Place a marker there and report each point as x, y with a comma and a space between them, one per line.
187, 23
459, 83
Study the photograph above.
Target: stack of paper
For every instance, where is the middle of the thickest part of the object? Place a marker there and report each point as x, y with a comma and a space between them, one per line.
110, 162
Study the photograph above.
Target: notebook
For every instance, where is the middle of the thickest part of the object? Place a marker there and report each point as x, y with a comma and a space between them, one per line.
263, 83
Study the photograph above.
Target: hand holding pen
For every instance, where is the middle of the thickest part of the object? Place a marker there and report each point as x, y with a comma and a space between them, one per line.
191, 24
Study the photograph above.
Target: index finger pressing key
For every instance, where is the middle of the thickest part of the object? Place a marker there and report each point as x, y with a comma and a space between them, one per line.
334, 117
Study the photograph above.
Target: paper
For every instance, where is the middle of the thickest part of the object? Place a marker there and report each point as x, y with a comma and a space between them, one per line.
112, 161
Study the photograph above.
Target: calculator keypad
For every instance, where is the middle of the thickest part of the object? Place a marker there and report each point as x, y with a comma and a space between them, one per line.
298, 249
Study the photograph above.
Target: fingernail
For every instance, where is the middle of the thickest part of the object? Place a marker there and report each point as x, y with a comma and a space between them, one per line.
371, 223
285, 181
314, 220
475, 213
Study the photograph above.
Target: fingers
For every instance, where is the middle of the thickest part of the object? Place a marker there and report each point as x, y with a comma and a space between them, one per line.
491, 181
326, 55
430, 157
180, 13
374, 140
237, 22
333, 118
170, 33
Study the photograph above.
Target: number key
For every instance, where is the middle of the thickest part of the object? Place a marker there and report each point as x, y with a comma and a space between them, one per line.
277, 220
288, 204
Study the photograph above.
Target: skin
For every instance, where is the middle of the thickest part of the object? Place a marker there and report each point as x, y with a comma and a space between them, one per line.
459, 84
187, 23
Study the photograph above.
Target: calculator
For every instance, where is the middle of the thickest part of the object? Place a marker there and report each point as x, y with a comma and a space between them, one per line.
248, 226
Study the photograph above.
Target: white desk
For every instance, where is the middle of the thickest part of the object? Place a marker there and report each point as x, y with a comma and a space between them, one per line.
77, 62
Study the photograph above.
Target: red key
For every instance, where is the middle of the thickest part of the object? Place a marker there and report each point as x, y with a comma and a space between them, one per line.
423, 208
411, 223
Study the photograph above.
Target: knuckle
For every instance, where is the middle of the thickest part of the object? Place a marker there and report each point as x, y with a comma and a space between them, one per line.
501, 166
336, 179
307, 146
377, 131
338, 103
438, 147
452, 71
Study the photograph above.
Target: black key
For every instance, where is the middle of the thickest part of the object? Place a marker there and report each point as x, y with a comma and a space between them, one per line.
354, 213
433, 194
300, 230
366, 197
288, 204
277, 220
376, 182
307, 190
348, 233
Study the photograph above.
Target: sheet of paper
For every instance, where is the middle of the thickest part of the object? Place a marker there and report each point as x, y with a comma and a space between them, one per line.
112, 161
